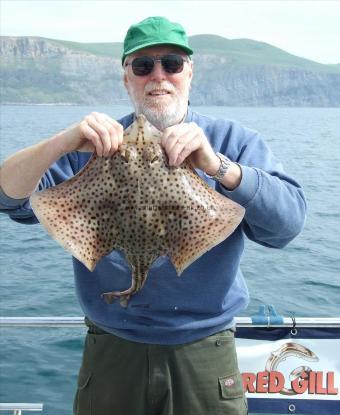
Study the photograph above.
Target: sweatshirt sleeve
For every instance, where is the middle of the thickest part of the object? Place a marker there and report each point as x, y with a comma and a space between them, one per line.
20, 210
274, 202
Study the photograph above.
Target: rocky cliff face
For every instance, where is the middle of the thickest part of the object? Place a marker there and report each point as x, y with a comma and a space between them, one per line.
38, 70
263, 85
29, 47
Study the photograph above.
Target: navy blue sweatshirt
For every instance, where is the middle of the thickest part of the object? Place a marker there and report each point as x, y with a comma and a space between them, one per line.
211, 291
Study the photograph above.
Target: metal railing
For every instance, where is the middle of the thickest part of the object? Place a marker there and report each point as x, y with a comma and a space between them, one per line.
19, 407
42, 322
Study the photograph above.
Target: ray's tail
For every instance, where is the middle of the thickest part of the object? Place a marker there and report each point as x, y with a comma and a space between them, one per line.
140, 265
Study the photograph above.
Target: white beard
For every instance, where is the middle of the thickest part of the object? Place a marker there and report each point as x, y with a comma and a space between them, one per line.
161, 114
164, 116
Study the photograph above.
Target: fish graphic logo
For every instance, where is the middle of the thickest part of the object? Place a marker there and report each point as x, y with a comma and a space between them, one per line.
290, 350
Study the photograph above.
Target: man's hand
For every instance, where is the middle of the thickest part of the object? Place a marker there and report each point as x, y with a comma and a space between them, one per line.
188, 140
96, 132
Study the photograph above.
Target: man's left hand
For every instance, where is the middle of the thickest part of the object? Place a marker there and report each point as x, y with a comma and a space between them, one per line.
188, 140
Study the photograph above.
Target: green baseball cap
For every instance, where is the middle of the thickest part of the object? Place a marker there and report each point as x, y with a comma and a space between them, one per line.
155, 31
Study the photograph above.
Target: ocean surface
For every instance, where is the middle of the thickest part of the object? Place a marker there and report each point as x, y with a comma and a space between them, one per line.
36, 274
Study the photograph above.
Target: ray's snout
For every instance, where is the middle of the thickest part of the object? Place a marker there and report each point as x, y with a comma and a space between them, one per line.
152, 153
128, 152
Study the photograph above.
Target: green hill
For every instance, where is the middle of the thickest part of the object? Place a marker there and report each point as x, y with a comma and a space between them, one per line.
112, 50
239, 72
238, 51
250, 52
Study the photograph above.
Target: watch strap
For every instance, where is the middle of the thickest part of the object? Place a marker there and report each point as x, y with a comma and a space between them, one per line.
225, 164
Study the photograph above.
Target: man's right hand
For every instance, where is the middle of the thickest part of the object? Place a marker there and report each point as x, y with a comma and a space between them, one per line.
96, 132
21, 172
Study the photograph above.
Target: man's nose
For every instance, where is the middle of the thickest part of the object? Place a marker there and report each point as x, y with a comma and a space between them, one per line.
158, 72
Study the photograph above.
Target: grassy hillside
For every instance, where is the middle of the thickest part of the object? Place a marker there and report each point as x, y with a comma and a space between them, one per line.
240, 72
238, 51
247, 51
113, 49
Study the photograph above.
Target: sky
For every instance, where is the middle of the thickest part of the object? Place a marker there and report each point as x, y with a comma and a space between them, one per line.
305, 28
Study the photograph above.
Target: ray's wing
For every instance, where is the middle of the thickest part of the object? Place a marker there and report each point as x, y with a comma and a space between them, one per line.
204, 219
78, 212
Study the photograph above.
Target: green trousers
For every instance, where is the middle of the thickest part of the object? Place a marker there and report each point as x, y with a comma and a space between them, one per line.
120, 377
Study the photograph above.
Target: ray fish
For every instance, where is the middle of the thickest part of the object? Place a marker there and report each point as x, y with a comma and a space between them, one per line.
136, 202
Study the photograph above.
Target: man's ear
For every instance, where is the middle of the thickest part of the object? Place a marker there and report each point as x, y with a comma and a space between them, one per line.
191, 73
126, 83
125, 80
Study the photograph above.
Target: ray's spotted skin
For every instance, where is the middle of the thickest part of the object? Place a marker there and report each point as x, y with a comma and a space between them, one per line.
135, 202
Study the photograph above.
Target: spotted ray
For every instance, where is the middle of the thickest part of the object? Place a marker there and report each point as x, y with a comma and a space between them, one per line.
135, 202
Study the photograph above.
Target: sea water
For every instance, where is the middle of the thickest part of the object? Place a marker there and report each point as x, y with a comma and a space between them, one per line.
41, 365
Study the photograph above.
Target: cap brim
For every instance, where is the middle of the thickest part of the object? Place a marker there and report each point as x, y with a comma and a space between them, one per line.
188, 50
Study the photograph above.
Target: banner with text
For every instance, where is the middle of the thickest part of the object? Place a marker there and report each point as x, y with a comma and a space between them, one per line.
290, 373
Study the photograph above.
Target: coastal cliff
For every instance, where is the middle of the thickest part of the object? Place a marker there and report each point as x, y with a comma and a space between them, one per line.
238, 72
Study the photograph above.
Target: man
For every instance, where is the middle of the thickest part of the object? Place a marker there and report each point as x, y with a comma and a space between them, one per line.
171, 351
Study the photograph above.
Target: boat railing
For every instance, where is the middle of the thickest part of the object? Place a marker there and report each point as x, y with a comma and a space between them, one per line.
260, 320
17, 408
42, 322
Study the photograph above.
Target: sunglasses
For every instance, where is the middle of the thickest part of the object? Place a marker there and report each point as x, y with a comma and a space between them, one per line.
144, 65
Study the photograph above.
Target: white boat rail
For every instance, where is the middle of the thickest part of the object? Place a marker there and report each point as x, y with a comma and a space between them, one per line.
240, 322
19, 407
259, 320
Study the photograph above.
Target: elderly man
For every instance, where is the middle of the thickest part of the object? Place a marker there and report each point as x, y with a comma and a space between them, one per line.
171, 351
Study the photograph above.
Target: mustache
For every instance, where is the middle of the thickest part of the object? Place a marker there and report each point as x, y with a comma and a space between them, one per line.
157, 86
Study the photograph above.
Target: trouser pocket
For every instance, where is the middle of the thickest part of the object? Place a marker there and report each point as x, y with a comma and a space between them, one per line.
232, 396
231, 386
113, 377
208, 380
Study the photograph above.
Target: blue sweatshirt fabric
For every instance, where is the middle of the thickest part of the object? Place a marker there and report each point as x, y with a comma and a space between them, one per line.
211, 291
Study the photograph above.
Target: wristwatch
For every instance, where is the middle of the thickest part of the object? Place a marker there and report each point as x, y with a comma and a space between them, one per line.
222, 170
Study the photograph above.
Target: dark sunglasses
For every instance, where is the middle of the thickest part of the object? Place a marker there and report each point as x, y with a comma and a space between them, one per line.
144, 65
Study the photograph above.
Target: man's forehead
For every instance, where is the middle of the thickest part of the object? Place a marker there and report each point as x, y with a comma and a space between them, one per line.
158, 50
